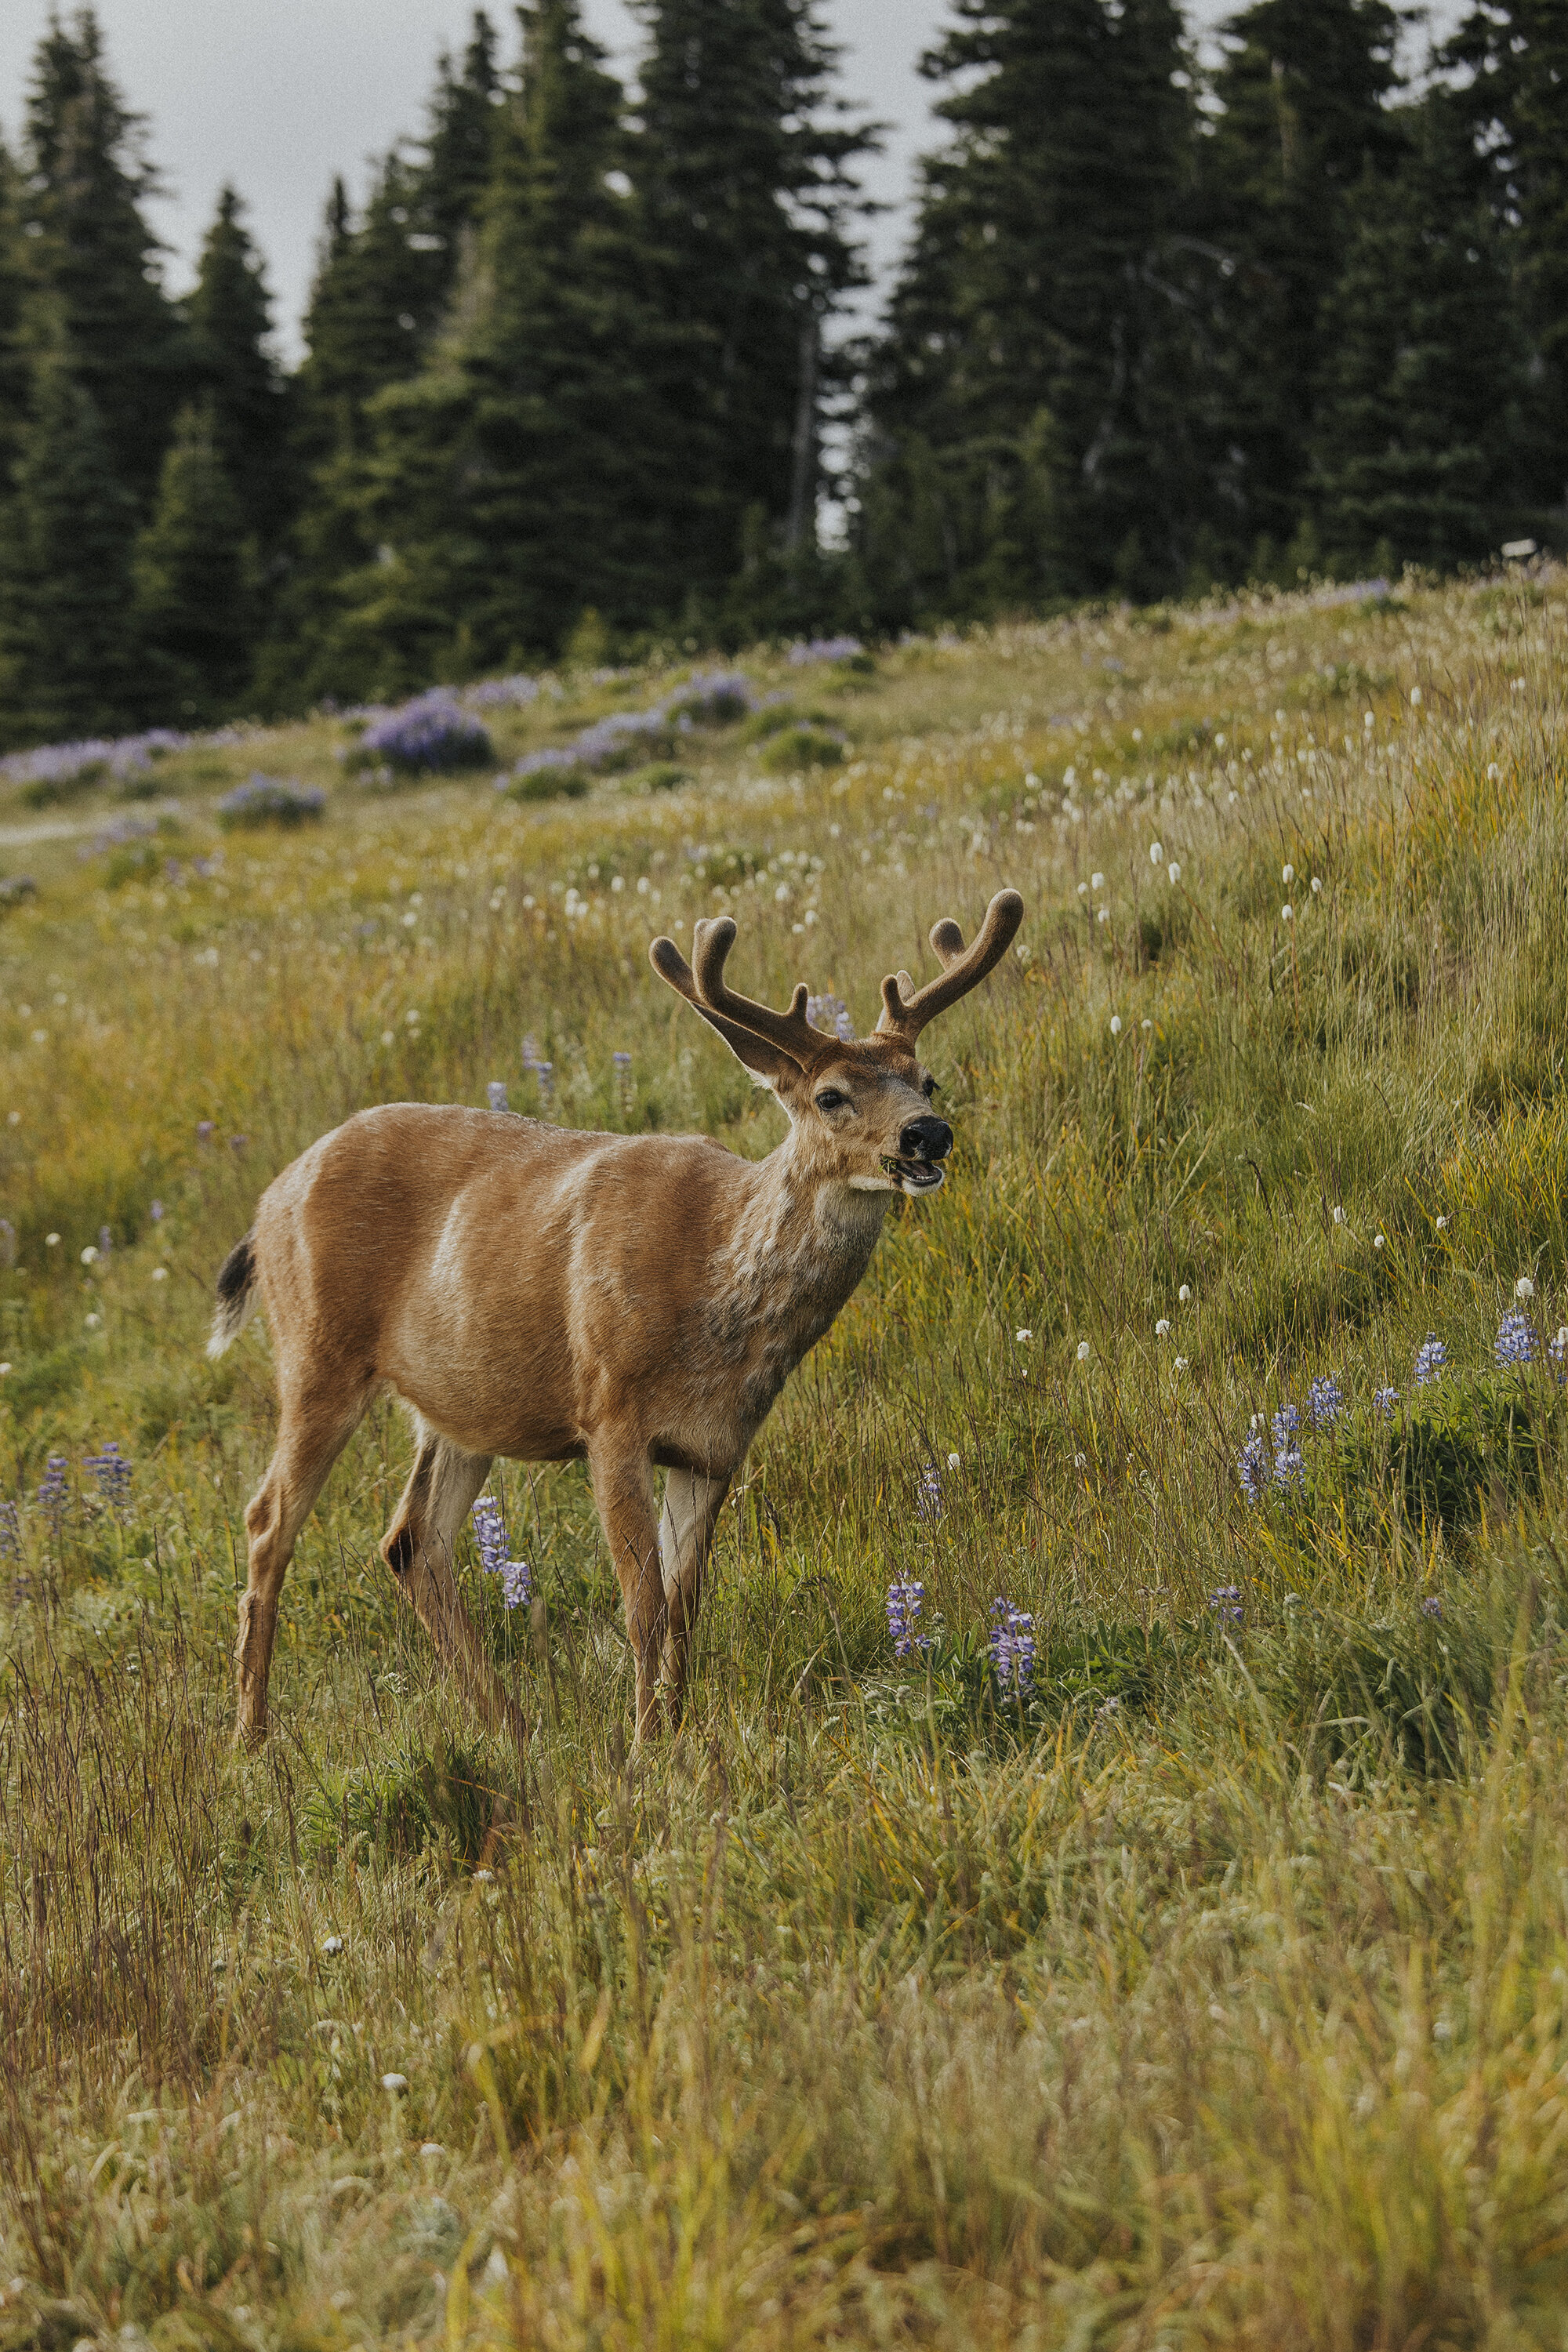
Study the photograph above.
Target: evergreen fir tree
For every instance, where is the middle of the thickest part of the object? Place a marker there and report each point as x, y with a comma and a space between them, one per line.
1417, 427
532, 468
237, 374
92, 258
1035, 408
1302, 117
372, 301
1515, 101
66, 650
13, 371
744, 173
458, 146
195, 581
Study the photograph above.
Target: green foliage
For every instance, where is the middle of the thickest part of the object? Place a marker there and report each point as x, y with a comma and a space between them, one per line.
195, 586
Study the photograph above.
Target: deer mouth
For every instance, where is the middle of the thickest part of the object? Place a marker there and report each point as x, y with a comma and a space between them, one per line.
914, 1176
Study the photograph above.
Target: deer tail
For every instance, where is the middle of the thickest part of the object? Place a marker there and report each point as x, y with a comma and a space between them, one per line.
235, 1296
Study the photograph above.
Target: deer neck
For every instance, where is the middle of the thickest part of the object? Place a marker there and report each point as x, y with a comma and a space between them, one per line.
797, 1249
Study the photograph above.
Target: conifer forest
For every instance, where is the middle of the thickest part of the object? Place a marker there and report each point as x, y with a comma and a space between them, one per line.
592, 365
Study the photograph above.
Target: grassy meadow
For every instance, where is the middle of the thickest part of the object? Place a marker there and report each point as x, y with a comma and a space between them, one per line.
1210, 1989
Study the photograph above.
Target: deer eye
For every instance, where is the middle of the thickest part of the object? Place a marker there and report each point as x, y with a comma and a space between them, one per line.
831, 1099
927, 1088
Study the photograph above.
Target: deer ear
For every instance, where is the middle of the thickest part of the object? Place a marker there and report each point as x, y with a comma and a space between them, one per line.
764, 1064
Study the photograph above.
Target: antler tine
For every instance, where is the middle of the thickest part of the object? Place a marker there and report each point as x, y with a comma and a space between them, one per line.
961, 970
712, 940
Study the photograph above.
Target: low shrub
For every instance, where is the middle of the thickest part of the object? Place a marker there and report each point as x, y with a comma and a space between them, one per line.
269, 800
802, 747
432, 735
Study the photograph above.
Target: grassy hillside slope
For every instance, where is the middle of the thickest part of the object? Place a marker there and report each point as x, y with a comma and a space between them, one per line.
1211, 1989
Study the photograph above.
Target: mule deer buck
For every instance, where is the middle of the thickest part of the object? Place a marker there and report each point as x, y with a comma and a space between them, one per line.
633, 1301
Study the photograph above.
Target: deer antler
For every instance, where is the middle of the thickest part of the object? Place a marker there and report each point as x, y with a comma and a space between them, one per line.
905, 1016
712, 940
742, 1024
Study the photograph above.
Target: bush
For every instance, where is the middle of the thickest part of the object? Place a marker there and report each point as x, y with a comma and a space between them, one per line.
546, 776
431, 735
271, 800
802, 747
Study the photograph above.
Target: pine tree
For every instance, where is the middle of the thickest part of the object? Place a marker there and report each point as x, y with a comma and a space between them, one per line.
458, 146
66, 652
743, 174
1041, 375
371, 301
532, 468
237, 374
1515, 101
93, 260
13, 371
1416, 435
1302, 117
195, 581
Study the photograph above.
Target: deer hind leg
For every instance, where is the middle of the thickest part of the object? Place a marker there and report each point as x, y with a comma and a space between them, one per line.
312, 1431
418, 1548
686, 1526
623, 1490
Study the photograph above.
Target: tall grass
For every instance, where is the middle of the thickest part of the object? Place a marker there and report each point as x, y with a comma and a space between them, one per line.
1213, 1988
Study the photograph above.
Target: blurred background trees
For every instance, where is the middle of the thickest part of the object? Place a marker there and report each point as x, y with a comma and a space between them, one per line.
1163, 321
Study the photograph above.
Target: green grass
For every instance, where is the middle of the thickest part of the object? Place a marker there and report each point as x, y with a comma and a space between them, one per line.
1212, 1993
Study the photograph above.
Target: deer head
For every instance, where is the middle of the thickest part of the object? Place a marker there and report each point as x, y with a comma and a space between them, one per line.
860, 1110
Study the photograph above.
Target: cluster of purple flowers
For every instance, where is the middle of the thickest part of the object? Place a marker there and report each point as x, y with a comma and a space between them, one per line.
113, 1475
10, 1531
53, 1495
824, 649
1431, 1358
434, 731
120, 834
1325, 1402
502, 693
1227, 1605
928, 1494
495, 1095
904, 1600
1515, 1341
1012, 1647
495, 1554
120, 756
1290, 1469
271, 800
1384, 1402
1432, 1606
627, 739
831, 1014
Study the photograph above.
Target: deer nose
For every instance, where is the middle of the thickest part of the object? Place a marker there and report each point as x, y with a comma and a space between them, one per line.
926, 1138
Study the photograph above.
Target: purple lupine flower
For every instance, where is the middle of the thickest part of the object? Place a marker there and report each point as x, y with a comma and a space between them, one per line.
489, 1534
715, 697
824, 649
1325, 1402
430, 732
1252, 1467
501, 693
495, 1553
155, 1211
10, 1531
928, 1494
1227, 1605
904, 1600
53, 1495
1012, 1647
831, 1014
105, 1241
1290, 1469
1432, 1606
1431, 1360
206, 1129
1515, 1341
271, 800
495, 1095
1384, 1402
121, 756
113, 1475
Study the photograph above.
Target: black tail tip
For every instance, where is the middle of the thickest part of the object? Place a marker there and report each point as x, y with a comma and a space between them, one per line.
237, 1272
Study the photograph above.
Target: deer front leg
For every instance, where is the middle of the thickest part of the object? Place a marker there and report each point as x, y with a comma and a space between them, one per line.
312, 1431
418, 1548
623, 1490
685, 1534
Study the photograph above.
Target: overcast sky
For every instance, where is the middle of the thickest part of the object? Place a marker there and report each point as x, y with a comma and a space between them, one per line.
277, 95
